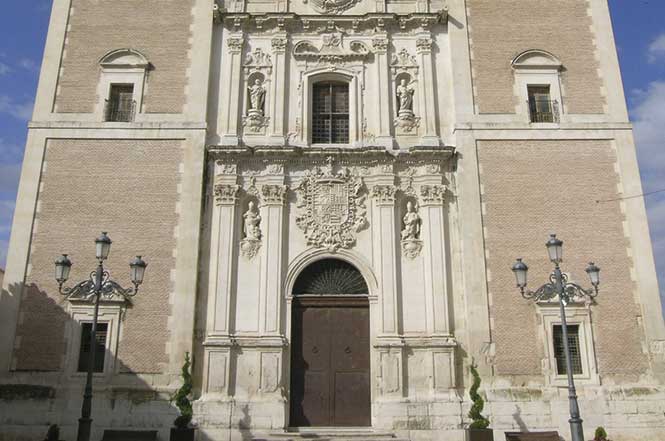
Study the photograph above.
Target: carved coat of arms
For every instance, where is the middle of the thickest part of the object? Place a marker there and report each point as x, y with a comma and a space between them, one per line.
331, 207
332, 6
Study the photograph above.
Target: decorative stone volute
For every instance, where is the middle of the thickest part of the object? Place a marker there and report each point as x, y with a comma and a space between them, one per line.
384, 194
226, 194
274, 194
433, 194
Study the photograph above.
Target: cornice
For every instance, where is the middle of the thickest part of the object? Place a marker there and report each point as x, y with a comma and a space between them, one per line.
316, 153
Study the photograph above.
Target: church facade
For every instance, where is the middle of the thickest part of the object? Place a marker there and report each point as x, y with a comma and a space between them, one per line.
330, 195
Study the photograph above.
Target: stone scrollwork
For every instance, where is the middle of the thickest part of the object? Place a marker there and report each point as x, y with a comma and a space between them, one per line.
278, 44
410, 234
331, 6
331, 207
226, 194
234, 44
251, 243
380, 44
332, 50
433, 194
424, 45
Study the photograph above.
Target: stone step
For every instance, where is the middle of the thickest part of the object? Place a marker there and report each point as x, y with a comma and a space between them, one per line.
330, 434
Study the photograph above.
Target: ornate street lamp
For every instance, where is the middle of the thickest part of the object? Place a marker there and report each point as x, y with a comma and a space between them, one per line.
566, 291
93, 289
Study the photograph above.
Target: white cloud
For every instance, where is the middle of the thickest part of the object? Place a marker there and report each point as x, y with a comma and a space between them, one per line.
4, 69
28, 64
656, 49
22, 111
648, 116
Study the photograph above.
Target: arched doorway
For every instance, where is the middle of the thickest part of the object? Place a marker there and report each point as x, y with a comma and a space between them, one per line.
330, 351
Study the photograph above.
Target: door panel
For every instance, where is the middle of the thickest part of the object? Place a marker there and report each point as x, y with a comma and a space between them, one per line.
330, 364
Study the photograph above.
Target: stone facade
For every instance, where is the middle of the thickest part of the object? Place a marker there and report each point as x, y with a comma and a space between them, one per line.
441, 180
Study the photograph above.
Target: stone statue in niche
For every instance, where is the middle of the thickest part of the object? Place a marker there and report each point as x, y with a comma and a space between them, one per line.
257, 97
412, 221
406, 118
256, 121
411, 243
405, 98
251, 244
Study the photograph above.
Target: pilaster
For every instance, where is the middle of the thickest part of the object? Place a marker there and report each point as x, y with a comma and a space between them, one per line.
380, 44
230, 90
277, 132
426, 89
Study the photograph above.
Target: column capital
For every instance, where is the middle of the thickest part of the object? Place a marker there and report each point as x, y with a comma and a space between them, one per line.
384, 194
235, 43
226, 194
424, 45
274, 194
279, 44
380, 44
433, 194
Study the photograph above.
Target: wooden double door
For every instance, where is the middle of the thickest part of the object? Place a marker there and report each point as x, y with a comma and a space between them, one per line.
330, 363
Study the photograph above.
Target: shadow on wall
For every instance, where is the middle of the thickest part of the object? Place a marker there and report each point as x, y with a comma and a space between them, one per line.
33, 398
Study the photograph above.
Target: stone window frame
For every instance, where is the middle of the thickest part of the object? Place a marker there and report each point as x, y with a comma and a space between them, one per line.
576, 314
336, 75
110, 313
122, 66
537, 68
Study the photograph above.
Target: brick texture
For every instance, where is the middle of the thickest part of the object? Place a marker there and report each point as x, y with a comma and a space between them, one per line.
160, 29
502, 29
128, 188
533, 188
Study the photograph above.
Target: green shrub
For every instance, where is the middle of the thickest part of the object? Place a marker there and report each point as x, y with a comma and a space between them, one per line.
479, 421
600, 435
181, 397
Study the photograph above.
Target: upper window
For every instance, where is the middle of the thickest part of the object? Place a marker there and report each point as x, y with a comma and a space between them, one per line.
575, 350
330, 113
100, 347
120, 106
541, 106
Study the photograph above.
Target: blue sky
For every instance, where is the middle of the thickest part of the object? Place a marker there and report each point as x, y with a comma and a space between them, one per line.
640, 36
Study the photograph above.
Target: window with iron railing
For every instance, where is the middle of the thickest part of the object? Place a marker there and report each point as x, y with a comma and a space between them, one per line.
120, 107
330, 113
100, 347
573, 344
542, 109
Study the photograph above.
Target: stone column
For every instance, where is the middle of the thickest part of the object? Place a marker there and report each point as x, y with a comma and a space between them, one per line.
382, 78
384, 250
273, 197
229, 93
426, 90
277, 135
434, 253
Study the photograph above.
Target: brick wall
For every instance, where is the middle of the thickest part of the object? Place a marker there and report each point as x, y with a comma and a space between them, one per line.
532, 188
502, 29
160, 29
128, 188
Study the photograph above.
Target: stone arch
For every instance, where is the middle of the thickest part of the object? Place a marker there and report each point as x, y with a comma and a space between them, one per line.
536, 59
124, 58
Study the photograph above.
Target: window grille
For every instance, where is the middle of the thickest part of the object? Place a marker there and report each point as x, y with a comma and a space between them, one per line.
541, 107
100, 347
560, 353
330, 277
330, 113
120, 107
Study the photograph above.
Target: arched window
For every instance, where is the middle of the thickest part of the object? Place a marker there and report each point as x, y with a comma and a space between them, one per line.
330, 277
330, 113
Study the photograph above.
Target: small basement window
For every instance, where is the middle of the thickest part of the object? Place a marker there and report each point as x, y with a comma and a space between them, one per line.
560, 353
120, 107
100, 347
541, 106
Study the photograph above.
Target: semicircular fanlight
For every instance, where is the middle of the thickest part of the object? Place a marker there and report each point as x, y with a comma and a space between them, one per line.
330, 277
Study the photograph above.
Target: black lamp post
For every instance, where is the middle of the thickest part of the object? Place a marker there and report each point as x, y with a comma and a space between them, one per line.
565, 290
99, 284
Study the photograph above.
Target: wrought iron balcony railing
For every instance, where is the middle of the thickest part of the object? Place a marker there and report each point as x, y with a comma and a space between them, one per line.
122, 111
544, 111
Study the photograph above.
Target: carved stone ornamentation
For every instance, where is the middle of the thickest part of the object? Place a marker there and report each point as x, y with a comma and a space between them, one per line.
331, 208
258, 58
406, 118
403, 59
332, 51
274, 194
226, 168
234, 44
433, 194
424, 45
278, 44
226, 194
250, 245
384, 194
331, 6
380, 44
255, 120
